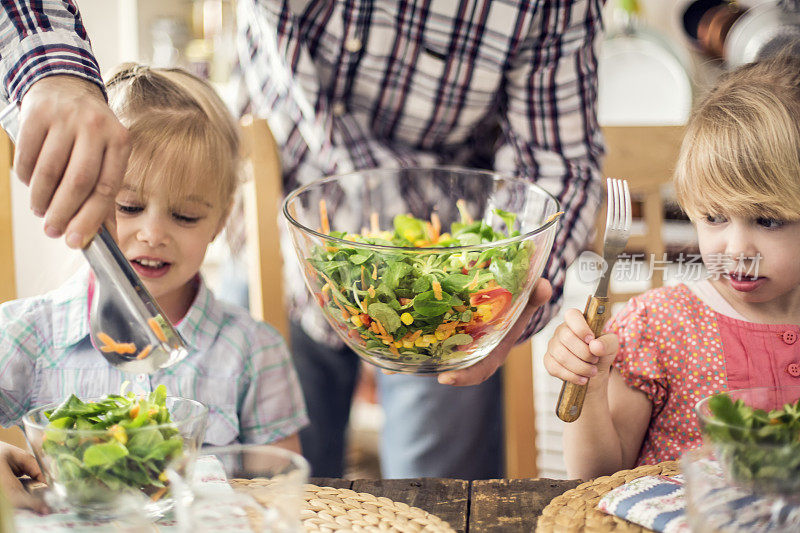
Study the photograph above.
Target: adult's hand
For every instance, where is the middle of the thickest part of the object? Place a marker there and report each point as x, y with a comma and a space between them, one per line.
16, 462
483, 369
72, 152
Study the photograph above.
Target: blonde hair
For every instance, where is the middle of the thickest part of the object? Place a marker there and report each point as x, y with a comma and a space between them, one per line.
741, 152
183, 138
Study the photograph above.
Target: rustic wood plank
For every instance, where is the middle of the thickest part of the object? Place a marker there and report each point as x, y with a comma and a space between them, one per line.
336, 483
500, 505
446, 498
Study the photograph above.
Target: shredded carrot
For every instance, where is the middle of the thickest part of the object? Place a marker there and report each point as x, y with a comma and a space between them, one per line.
460, 308
374, 271
373, 222
344, 311
110, 345
352, 310
414, 336
462, 205
158, 494
474, 283
381, 328
127, 347
363, 277
371, 291
373, 327
553, 216
437, 289
393, 349
134, 412
437, 226
145, 352
156, 327
323, 217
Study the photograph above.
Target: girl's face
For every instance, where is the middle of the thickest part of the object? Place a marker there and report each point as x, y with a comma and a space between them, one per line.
754, 263
165, 240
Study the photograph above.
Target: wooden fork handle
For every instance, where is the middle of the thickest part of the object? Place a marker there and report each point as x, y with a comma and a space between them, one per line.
570, 400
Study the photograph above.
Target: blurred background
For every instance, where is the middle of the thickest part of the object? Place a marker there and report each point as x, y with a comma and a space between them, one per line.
656, 57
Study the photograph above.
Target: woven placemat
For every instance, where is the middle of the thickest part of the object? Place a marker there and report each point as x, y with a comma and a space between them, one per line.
576, 509
329, 510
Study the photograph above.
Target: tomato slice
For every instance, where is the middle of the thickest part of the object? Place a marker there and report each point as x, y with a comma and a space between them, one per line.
491, 306
491, 303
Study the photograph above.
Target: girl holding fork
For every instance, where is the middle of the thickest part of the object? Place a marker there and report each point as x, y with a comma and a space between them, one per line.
737, 179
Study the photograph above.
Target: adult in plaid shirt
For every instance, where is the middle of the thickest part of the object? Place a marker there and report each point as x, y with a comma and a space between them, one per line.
501, 84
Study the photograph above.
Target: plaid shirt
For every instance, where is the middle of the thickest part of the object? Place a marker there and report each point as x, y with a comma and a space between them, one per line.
236, 366
503, 84
41, 38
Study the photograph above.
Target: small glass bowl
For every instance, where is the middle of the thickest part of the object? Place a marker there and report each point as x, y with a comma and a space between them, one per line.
758, 460
715, 505
381, 299
83, 489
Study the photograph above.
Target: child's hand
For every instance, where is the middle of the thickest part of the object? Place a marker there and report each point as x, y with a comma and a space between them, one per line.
17, 462
574, 355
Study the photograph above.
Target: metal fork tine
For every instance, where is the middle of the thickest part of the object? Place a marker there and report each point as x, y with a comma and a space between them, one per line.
627, 203
617, 205
609, 204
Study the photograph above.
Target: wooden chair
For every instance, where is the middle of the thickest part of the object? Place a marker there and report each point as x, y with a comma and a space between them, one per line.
646, 157
8, 281
263, 194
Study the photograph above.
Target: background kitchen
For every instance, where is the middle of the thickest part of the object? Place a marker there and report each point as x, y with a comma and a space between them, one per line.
651, 67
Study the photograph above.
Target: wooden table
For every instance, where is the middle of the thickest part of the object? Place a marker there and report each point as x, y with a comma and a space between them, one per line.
493, 505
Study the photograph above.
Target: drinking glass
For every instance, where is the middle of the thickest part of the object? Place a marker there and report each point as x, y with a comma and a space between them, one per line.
243, 487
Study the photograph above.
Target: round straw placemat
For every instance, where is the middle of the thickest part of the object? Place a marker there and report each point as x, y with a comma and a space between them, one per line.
329, 510
576, 509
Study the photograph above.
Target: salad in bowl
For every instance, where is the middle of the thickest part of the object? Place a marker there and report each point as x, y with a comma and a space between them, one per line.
755, 435
101, 455
421, 270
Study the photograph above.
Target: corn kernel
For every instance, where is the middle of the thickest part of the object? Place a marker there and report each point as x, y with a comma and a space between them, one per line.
162, 477
356, 320
398, 344
406, 318
430, 339
118, 432
440, 335
408, 344
421, 343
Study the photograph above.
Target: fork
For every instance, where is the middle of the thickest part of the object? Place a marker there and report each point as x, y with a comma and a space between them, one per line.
618, 229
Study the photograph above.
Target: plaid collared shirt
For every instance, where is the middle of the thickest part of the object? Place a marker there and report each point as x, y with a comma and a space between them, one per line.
503, 84
238, 367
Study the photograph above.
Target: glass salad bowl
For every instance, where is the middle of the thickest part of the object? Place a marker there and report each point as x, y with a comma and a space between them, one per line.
755, 435
421, 270
105, 457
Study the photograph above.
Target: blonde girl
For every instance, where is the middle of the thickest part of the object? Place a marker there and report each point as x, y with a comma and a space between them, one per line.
176, 195
738, 178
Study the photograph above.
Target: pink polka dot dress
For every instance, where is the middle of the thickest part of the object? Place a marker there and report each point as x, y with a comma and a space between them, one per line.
677, 350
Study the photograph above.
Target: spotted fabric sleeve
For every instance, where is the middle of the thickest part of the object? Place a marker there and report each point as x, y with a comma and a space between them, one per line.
640, 357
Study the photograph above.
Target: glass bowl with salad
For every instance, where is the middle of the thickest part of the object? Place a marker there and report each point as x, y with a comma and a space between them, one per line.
106, 456
755, 435
421, 270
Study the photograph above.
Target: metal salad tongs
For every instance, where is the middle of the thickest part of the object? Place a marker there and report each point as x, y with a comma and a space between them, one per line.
126, 324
